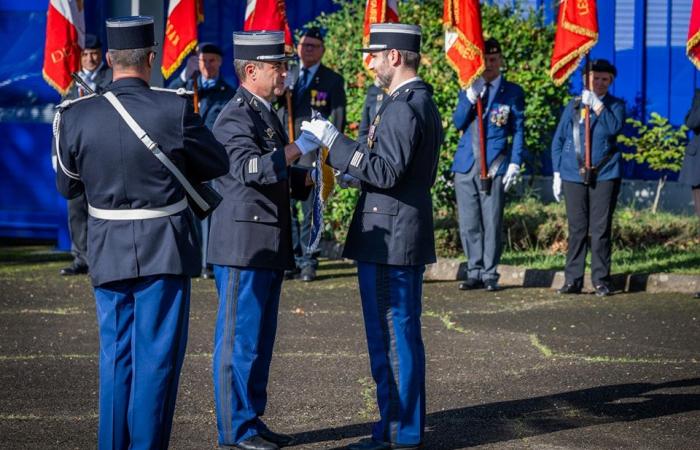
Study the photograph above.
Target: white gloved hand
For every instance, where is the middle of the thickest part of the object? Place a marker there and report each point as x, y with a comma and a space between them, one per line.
348, 181
589, 98
324, 131
476, 89
511, 176
190, 68
556, 186
307, 142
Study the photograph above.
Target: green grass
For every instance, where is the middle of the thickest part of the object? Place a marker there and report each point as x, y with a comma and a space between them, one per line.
649, 260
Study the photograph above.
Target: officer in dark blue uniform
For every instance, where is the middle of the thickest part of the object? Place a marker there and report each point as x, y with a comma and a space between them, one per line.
141, 247
391, 234
589, 203
251, 243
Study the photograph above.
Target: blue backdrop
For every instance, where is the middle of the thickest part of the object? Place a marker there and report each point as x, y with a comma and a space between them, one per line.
645, 39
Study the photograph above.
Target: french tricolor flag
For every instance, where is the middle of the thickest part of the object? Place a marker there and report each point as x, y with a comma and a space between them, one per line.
65, 39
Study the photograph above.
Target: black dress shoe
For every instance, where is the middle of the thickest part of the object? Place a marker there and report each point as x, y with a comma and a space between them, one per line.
256, 443
602, 290
308, 273
569, 288
291, 274
471, 283
491, 285
282, 440
75, 268
697, 295
207, 274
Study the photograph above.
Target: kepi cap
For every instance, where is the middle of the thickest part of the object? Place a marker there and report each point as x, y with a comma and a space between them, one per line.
124, 33
267, 46
398, 36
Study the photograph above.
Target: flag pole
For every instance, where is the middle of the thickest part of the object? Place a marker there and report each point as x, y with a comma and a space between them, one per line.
587, 117
485, 180
290, 116
195, 89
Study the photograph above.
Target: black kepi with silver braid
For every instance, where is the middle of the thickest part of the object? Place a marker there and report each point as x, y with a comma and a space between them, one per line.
398, 36
267, 46
131, 32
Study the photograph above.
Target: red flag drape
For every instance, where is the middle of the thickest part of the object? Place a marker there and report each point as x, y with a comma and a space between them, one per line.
65, 38
693, 45
464, 40
577, 33
180, 33
268, 15
378, 11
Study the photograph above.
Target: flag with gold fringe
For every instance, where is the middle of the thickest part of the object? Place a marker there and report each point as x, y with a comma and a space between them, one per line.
268, 15
324, 183
65, 39
378, 11
180, 33
577, 33
693, 45
464, 41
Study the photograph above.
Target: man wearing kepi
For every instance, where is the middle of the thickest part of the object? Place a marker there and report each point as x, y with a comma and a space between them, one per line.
391, 234
251, 242
141, 247
481, 213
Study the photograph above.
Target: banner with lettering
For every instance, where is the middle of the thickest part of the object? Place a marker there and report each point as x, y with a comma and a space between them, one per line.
577, 33
268, 15
180, 33
464, 41
65, 39
378, 11
693, 44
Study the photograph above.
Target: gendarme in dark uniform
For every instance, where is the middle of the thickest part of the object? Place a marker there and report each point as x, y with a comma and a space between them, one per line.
141, 247
250, 243
391, 234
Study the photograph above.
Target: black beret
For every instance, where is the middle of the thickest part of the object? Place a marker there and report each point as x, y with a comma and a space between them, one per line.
313, 32
603, 65
92, 41
209, 47
492, 46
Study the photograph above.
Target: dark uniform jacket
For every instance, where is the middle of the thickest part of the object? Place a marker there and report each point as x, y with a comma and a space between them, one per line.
373, 101
116, 171
393, 220
326, 94
690, 172
102, 79
211, 100
252, 225
509, 103
604, 131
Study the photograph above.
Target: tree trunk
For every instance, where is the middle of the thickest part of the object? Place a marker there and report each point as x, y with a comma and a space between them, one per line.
659, 186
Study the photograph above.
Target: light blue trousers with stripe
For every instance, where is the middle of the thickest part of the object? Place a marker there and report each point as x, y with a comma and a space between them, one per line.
391, 305
246, 325
143, 336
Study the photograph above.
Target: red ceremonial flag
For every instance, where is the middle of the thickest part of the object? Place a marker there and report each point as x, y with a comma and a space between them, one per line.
378, 11
693, 45
464, 41
65, 38
577, 33
180, 33
268, 15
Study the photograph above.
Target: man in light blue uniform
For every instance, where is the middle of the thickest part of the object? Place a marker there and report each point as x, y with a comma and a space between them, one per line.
251, 241
141, 245
481, 213
391, 234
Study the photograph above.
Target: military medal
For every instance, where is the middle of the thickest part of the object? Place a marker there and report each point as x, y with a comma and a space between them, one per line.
270, 132
314, 93
372, 132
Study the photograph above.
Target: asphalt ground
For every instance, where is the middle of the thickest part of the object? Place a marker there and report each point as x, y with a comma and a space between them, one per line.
520, 368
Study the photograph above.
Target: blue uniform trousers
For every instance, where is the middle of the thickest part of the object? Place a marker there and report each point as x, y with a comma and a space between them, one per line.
246, 325
143, 335
391, 305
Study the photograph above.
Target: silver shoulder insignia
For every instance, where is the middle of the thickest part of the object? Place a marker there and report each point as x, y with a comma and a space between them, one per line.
66, 103
179, 91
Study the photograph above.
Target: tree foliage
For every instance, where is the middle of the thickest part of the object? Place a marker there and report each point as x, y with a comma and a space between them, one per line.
526, 43
657, 143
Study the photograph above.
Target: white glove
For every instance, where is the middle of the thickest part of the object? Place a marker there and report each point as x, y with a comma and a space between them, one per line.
324, 131
307, 142
511, 176
589, 98
476, 89
348, 181
556, 186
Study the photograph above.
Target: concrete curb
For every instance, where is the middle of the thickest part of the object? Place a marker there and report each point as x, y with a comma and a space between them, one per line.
453, 269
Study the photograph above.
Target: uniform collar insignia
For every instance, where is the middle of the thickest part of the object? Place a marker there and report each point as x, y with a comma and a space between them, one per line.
270, 132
